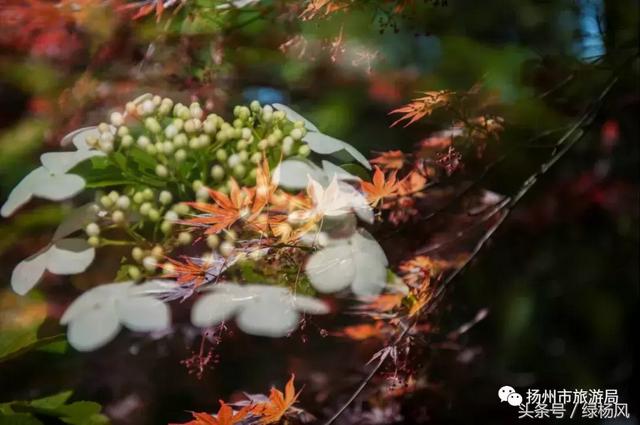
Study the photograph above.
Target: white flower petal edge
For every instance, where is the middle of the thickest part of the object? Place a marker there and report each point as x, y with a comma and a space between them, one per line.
259, 309
50, 181
357, 261
96, 316
319, 142
61, 256
65, 256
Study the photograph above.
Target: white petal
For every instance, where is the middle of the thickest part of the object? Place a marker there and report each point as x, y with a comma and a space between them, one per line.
61, 162
268, 317
331, 170
94, 298
93, 329
370, 265
143, 313
331, 269
364, 243
29, 272
22, 193
70, 256
294, 173
76, 220
79, 137
309, 305
215, 307
294, 116
325, 145
58, 187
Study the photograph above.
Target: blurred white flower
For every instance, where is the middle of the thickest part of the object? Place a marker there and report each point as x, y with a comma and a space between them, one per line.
61, 256
96, 316
336, 200
259, 309
50, 181
357, 262
319, 142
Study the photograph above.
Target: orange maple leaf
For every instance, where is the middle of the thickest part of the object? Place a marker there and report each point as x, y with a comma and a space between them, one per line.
225, 416
422, 106
380, 187
272, 411
187, 271
363, 331
227, 210
390, 160
413, 183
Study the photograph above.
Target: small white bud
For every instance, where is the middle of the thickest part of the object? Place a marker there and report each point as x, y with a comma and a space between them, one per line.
117, 119
92, 229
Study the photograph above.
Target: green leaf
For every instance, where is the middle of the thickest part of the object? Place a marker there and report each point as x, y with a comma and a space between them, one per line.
52, 401
19, 419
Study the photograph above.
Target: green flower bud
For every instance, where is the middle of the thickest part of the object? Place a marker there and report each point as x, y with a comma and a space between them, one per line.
243, 155
126, 141
123, 202
304, 150
263, 144
296, 134
181, 140
182, 209
239, 171
217, 172
154, 215
138, 198
230, 235
209, 127
170, 131
202, 194
166, 227
256, 158
241, 145
167, 148
205, 140
143, 142
194, 143
165, 197
178, 124
134, 272
92, 229
106, 202
137, 253
149, 194
94, 241
238, 123
123, 131
116, 119
226, 249
157, 252
150, 263
118, 217
184, 238
159, 147
279, 115
196, 185
180, 155
298, 124
213, 241
272, 140
255, 106
233, 160
161, 171
103, 127
287, 145
151, 150
196, 110
153, 125
145, 208
221, 155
